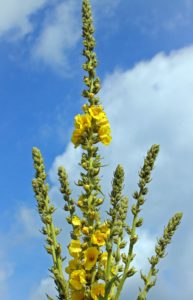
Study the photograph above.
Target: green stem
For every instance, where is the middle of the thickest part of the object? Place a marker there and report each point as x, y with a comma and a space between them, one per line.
129, 259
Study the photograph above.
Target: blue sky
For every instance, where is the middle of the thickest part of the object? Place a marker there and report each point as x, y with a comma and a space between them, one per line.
145, 51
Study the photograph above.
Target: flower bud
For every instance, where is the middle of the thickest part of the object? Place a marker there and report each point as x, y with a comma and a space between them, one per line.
124, 257
139, 222
85, 230
86, 187
141, 200
99, 201
91, 95
131, 272
122, 244
48, 249
134, 238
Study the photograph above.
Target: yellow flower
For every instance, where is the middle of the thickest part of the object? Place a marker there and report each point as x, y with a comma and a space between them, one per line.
103, 121
103, 259
105, 228
75, 248
76, 221
78, 295
85, 230
105, 134
106, 139
98, 238
71, 266
85, 107
97, 289
91, 255
76, 137
78, 279
96, 111
82, 121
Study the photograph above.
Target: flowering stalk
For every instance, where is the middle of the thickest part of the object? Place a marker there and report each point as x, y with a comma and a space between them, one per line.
137, 222
92, 127
46, 210
99, 267
159, 253
118, 214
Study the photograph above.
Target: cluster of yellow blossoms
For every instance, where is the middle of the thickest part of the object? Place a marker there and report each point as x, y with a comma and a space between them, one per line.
93, 122
85, 259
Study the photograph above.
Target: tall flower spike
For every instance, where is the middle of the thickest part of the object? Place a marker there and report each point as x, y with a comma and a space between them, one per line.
115, 223
65, 190
93, 126
46, 210
91, 81
160, 253
139, 196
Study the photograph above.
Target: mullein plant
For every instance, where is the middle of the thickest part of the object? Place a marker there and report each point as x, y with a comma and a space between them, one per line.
100, 264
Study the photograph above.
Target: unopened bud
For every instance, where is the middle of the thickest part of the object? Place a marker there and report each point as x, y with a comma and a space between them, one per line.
134, 238
131, 272
139, 222
85, 230
87, 187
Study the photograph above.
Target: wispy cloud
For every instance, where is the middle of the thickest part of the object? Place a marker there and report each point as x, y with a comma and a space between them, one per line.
46, 286
6, 271
15, 17
59, 34
24, 227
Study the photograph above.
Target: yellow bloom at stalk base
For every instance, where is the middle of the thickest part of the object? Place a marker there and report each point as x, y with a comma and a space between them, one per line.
97, 289
76, 221
91, 255
98, 238
75, 248
103, 259
105, 228
78, 279
72, 265
78, 295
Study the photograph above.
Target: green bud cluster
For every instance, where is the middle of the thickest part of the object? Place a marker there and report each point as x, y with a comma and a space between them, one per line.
145, 178
159, 253
65, 190
118, 214
91, 81
46, 210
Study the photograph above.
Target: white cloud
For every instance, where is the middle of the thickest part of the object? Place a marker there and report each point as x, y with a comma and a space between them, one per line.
6, 268
59, 27
152, 103
60, 32
144, 249
29, 220
46, 286
15, 16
